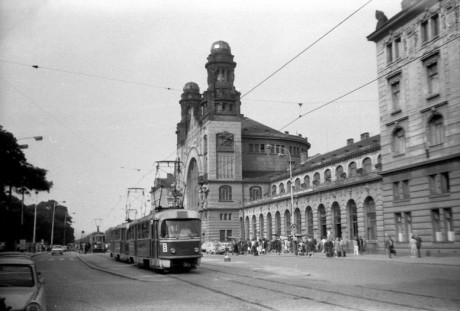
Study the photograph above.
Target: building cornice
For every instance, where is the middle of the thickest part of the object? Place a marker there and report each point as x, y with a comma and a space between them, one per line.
423, 163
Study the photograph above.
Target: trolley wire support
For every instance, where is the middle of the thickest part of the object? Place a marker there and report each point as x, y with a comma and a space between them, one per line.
135, 203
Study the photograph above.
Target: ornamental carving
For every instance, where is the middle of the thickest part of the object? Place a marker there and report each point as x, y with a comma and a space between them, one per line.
225, 142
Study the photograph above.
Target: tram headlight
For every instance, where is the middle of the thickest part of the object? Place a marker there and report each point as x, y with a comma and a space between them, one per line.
196, 249
173, 250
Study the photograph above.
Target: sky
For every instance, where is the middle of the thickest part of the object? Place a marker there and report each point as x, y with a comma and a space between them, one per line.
105, 96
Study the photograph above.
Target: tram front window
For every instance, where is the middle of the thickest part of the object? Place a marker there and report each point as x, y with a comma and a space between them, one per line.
181, 228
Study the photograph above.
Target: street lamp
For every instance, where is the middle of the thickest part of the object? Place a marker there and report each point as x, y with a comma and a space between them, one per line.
25, 146
292, 187
52, 223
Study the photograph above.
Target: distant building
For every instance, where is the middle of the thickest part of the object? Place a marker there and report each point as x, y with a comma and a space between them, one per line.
418, 65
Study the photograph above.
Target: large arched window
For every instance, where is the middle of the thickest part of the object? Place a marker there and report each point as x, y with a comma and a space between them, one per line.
269, 226
436, 130
371, 218
254, 227
337, 220
353, 219
225, 193
399, 141
339, 173
309, 220
278, 223
367, 165
306, 181
352, 171
255, 193
287, 223
261, 226
327, 175
247, 235
298, 221
322, 221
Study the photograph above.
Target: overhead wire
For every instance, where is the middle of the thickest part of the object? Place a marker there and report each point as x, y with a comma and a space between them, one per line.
91, 75
306, 49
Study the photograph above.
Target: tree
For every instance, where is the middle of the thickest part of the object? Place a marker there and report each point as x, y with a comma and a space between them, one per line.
16, 172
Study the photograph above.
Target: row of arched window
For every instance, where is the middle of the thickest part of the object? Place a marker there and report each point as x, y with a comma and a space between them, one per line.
344, 222
315, 180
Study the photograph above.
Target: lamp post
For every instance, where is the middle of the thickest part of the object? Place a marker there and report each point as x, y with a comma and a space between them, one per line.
52, 223
292, 187
25, 146
35, 219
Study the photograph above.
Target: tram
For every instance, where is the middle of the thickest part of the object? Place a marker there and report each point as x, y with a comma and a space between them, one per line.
96, 241
166, 239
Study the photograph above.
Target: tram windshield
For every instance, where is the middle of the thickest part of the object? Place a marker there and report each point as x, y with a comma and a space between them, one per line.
180, 228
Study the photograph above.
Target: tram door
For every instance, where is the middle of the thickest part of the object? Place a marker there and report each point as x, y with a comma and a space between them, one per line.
154, 241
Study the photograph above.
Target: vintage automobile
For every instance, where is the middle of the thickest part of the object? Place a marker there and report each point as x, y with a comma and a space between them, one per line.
21, 286
213, 248
57, 250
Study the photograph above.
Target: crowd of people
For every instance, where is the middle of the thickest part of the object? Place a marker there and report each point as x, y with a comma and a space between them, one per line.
306, 246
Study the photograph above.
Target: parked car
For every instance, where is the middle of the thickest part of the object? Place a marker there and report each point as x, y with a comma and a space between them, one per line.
213, 248
21, 286
57, 250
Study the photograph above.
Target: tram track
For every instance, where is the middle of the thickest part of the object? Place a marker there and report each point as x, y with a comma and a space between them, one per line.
258, 284
368, 294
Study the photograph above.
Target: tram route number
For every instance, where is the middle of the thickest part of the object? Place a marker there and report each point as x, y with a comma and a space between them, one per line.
165, 247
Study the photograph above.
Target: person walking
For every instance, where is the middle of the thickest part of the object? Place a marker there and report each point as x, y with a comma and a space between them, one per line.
413, 247
389, 245
355, 247
360, 242
418, 244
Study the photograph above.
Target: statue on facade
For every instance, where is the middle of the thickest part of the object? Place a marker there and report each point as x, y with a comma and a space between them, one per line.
203, 195
381, 19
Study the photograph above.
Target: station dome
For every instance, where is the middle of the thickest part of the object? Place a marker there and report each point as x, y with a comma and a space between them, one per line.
220, 46
191, 87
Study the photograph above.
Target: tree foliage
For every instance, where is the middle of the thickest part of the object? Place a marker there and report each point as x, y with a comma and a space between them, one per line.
16, 172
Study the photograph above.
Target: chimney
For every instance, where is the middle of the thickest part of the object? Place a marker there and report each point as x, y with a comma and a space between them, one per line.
286, 132
350, 141
364, 135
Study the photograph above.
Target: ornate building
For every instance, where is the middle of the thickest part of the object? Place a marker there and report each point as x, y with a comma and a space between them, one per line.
418, 63
251, 181
238, 171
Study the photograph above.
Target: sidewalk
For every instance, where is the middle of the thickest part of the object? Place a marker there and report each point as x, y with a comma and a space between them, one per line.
432, 260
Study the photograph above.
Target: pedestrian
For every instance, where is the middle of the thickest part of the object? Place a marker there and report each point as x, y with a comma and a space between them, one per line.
413, 247
418, 243
361, 246
355, 247
389, 245
329, 248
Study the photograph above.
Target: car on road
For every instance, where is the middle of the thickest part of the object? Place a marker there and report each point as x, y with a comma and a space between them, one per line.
57, 250
213, 248
21, 285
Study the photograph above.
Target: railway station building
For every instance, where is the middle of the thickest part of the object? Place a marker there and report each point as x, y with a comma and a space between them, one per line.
251, 181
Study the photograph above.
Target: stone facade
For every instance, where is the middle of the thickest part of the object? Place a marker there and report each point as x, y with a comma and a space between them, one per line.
418, 63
